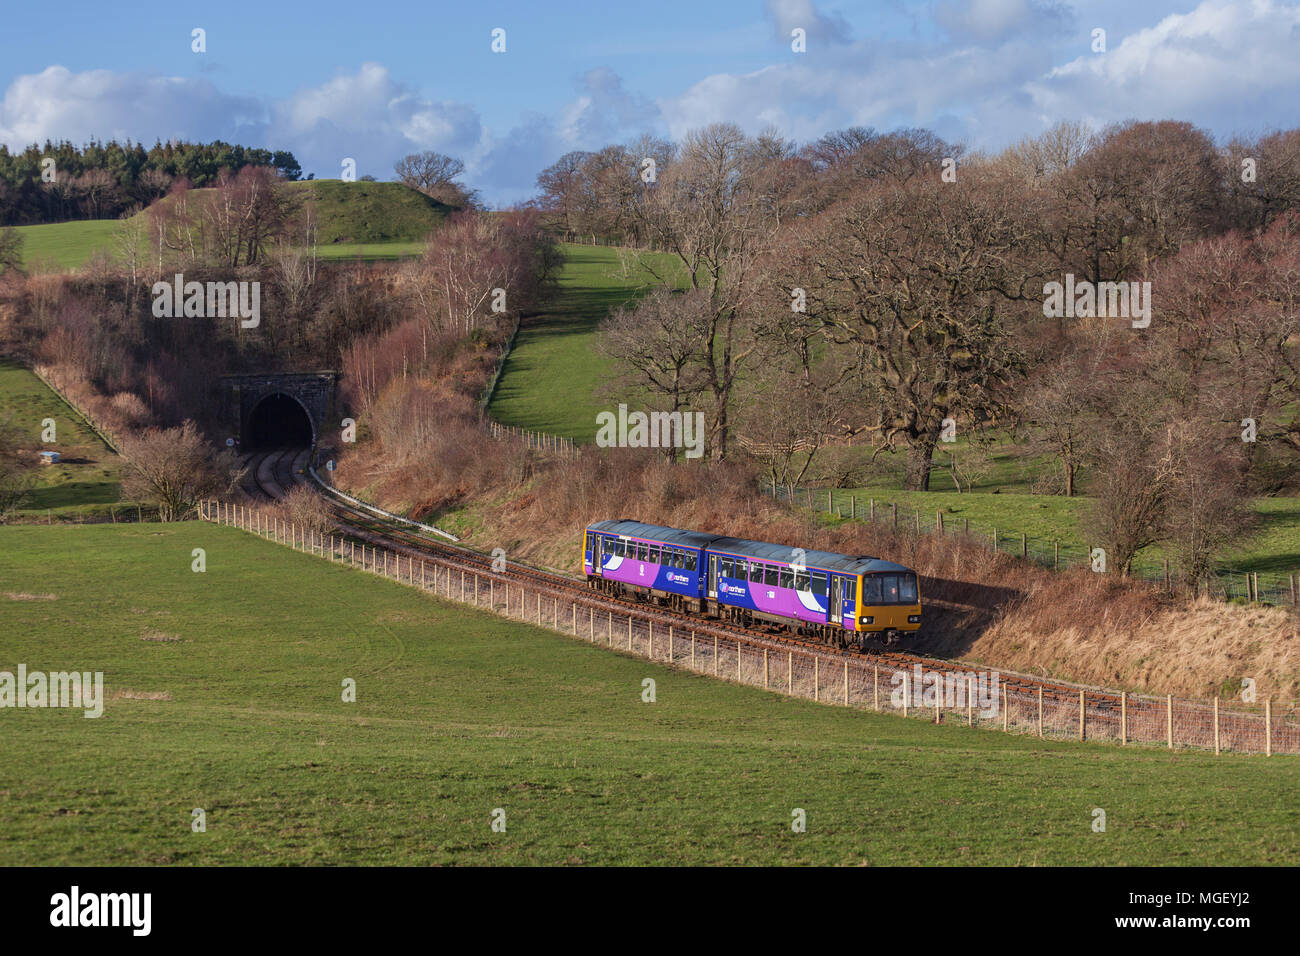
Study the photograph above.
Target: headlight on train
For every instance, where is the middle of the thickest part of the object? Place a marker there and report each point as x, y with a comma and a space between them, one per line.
867, 620
913, 619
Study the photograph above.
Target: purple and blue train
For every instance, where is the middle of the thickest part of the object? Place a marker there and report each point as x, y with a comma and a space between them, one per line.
836, 597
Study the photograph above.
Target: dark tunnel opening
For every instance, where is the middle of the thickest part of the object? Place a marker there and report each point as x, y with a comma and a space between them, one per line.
278, 421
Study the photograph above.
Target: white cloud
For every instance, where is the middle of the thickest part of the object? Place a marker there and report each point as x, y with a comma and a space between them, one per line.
58, 104
786, 15
992, 82
1215, 65
372, 118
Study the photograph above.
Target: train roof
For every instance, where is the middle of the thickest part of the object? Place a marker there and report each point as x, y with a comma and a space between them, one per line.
825, 560
776, 553
638, 529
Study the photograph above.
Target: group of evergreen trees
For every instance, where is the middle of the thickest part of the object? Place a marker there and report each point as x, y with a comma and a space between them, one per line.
104, 180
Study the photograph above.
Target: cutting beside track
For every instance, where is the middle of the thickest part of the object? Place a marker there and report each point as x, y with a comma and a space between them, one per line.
274, 472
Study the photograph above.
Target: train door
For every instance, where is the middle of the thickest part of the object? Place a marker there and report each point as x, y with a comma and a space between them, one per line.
597, 557
713, 576
837, 599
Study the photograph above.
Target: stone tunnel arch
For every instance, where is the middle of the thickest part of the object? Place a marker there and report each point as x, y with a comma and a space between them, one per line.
279, 420
270, 409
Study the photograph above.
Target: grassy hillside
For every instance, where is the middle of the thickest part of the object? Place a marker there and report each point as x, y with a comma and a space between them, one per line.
224, 694
550, 380
367, 213
65, 245
372, 220
88, 479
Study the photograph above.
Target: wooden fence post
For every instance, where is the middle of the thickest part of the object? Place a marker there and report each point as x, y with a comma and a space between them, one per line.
846, 683
1005, 713
905, 693
1216, 726
1081, 716
1169, 718
1040, 711
875, 686
765, 668
1123, 717
1268, 727
789, 674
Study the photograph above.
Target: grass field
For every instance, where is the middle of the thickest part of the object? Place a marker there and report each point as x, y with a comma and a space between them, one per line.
65, 245
459, 713
550, 380
1272, 549
371, 221
88, 479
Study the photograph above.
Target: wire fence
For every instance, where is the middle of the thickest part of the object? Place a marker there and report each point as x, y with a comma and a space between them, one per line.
955, 693
1226, 584
556, 444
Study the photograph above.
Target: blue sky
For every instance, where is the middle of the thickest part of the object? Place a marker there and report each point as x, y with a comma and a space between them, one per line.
331, 80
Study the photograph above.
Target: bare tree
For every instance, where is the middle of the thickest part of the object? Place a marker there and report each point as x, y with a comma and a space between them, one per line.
1132, 457
930, 279
656, 345
175, 469
705, 211
1208, 511
434, 174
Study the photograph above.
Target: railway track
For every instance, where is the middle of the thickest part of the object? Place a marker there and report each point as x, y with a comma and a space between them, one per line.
274, 472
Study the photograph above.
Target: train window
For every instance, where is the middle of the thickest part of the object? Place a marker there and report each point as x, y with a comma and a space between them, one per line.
742, 569
726, 565
690, 560
889, 589
640, 551
787, 578
819, 584
654, 554
907, 588
769, 575
677, 559
801, 580
870, 590
756, 572
608, 546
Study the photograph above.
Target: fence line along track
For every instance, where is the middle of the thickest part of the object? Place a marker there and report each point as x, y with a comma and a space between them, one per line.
900, 683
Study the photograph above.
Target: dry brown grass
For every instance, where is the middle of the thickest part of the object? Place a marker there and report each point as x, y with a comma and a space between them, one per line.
141, 695
159, 637
26, 596
992, 609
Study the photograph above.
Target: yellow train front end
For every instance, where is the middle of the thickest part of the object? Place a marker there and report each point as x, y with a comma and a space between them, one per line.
889, 604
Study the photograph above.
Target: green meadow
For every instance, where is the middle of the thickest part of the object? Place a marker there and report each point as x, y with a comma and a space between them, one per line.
224, 693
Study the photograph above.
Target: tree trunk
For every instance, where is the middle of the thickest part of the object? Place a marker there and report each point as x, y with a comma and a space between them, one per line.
919, 458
